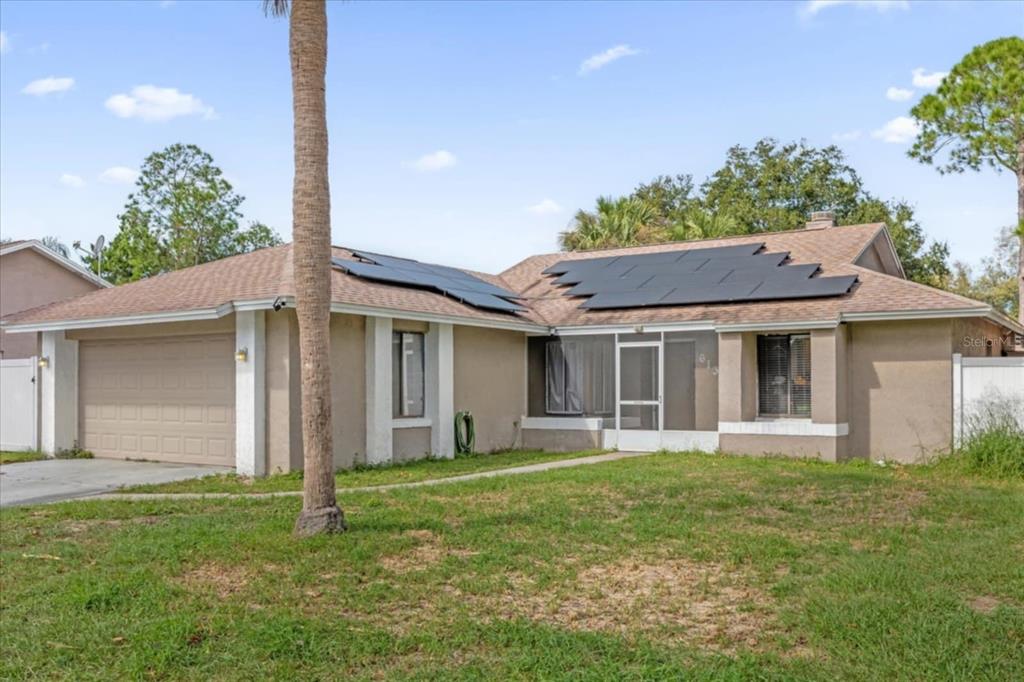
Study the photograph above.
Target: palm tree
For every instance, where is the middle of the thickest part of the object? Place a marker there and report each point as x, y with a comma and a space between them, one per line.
698, 223
626, 221
311, 259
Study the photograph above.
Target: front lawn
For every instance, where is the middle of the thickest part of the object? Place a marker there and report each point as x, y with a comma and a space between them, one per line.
10, 456
667, 566
417, 470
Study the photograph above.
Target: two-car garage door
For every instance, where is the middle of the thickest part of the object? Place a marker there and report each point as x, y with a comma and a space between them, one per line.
170, 399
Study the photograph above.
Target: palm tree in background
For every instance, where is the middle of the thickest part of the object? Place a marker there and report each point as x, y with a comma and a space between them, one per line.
626, 221
311, 258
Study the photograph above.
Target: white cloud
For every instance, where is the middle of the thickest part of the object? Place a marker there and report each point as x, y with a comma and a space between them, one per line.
602, 59
900, 130
435, 161
923, 79
119, 175
5, 44
49, 85
547, 206
72, 180
898, 94
848, 136
813, 7
151, 103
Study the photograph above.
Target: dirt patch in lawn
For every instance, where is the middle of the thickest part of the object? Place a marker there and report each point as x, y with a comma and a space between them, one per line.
221, 579
704, 604
984, 604
429, 550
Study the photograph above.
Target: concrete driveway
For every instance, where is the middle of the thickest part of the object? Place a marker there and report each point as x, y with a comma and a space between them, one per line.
51, 480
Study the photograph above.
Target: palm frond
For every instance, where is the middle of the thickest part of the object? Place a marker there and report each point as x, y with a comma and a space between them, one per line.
275, 8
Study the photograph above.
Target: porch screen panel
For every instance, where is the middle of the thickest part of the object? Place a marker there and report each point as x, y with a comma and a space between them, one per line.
563, 378
638, 373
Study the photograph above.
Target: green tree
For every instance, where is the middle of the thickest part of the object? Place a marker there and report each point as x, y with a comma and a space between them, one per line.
766, 188
976, 118
996, 284
773, 186
182, 213
625, 221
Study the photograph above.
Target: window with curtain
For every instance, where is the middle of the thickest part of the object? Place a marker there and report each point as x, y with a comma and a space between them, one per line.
784, 375
407, 374
579, 376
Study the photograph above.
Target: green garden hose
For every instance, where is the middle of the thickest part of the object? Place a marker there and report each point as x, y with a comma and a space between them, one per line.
465, 432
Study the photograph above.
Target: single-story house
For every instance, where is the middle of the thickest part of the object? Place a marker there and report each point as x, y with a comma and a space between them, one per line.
810, 343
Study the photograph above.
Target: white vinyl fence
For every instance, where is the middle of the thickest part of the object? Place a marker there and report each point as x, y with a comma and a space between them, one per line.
978, 382
18, 404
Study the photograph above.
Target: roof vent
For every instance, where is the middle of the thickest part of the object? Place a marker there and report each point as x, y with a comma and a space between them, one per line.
821, 219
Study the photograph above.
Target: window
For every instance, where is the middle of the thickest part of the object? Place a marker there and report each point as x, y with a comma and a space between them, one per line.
784, 375
407, 374
578, 373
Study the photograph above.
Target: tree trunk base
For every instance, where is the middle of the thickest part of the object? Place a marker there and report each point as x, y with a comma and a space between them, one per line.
320, 521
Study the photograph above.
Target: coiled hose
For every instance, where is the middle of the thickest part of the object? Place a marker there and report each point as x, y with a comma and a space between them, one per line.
465, 432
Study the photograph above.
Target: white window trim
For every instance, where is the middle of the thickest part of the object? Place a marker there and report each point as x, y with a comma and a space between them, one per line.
563, 423
411, 422
784, 427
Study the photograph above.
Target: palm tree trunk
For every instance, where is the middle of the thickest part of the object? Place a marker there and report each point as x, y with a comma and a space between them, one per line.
311, 263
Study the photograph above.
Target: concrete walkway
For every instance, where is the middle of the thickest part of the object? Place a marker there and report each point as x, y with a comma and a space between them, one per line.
54, 480
511, 471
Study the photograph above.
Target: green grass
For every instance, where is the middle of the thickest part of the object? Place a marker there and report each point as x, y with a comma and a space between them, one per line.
418, 470
10, 457
668, 566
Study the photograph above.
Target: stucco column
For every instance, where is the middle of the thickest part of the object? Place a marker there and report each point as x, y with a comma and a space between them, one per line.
58, 388
379, 443
251, 393
440, 389
828, 376
737, 377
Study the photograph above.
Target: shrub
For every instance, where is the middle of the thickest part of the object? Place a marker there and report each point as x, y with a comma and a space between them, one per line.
993, 441
74, 452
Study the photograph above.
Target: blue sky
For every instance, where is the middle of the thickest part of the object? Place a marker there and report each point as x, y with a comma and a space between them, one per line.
469, 133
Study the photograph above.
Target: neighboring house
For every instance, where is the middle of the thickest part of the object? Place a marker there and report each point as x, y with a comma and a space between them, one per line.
682, 345
32, 275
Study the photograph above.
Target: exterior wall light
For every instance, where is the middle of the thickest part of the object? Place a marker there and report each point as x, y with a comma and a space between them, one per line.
44, 361
242, 354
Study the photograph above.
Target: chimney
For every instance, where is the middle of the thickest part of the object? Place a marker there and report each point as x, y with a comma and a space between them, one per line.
821, 219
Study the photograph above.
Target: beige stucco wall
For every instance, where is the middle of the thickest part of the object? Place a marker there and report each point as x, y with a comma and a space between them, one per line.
819, 447
561, 440
27, 280
977, 337
140, 331
410, 443
284, 411
900, 389
348, 389
829, 373
737, 376
490, 382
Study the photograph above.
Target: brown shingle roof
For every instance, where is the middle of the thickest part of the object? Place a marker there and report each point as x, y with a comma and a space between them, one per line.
267, 273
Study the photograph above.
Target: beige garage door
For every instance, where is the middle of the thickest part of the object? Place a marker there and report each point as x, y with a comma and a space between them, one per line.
168, 399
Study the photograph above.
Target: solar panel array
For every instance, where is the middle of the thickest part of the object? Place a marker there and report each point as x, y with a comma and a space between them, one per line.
720, 274
449, 281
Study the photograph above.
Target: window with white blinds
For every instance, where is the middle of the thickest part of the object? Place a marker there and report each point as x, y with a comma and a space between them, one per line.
784, 375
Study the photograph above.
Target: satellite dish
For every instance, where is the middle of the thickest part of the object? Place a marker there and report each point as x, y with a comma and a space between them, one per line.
100, 243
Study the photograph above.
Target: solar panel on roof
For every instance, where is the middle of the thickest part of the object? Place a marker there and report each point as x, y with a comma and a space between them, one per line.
449, 281
720, 274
